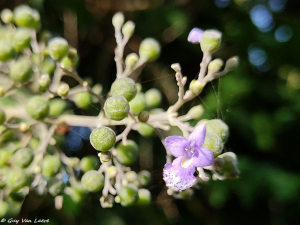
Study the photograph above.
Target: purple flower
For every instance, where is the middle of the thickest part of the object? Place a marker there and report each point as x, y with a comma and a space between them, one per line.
195, 35
190, 154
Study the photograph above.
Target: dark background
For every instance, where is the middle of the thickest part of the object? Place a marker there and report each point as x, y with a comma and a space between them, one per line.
260, 101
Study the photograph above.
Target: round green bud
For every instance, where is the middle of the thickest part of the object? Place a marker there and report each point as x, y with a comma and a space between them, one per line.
144, 198
143, 116
231, 63
17, 179
111, 172
118, 19
63, 89
131, 176
6, 136
2, 91
37, 108
23, 157
2, 116
83, 100
48, 66
128, 195
210, 41
73, 55
138, 104
50, 166
22, 39
127, 154
66, 63
149, 49
7, 16
55, 186
57, 106
26, 17
196, 87
89, 163
215, 66
73, 161
144, 177
103, 139
77, 193
105, 156
97, 89
4, 208
21, 70
145, 129
45, 81
124, 87
195, 112
4, 157
227, 164
116, 108
128, 29
92, 181
7, 51
58, 48
214, 143
24, 127
153, 98
34, 143
218, 127
131, 60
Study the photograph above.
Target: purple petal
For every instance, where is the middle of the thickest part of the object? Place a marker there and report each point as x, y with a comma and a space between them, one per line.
195, 35
203, 157
176, 145
198, 135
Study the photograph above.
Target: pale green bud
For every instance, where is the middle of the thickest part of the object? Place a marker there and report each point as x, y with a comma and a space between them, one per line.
195, 112
215, 65
232, 63
196, 87
105, 156
143, 116
45, 81
24, 127
63, 89
214, 143
118, 19
210, 41
128, 29
131, 60
131, 176
111, 172
149, 49
7, 16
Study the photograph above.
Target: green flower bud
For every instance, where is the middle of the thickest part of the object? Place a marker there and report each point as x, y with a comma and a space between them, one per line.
145, 129
131, 176
131, 60
196, 87
128, 195
118, 19
89, 163
55, 186
17, 179
63, 89
231, 63
103, 138
50, 166
138, 87
83, 100
22, 39
6, 136
214, 143
37, 108
58, 48
97, 89
77, 193
57, 106
124, 87
215, 66
218, 127
2, 91
73, 55
7, 16
111, 172
227, 164
105, 156
196, 112
66, 63
4, 208
149, 49
92, 181
144, 177
143, 116
45, 81
116, 108
23, 157
73, 161
48, 66
4, 157
7, 51
34, 143
21, 70
24, 127
127, 154
153, 98
2, 116
210, 41
144, 198
138, 104
128, 29
26, 17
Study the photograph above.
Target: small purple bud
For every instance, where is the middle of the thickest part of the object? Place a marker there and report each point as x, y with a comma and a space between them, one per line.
195, 35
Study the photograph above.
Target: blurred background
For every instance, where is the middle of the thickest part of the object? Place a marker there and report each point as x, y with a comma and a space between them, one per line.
260, 101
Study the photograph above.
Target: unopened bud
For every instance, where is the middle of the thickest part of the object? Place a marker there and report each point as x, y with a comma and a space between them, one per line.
131, 176
105, 156
107, 201
24, 127
210, 41
196, 87
73, 161
63, 89
217, 127
128, 29
45, 81
143, 116
72, 54
214, 143
149, 49
215, 65
176, 67
195, 112
232, 63
118, 19
7, 16
131, 60
111, 172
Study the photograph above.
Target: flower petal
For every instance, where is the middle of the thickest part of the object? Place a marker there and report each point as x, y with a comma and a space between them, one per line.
198, 135
195, 35
203, 157
176, 145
